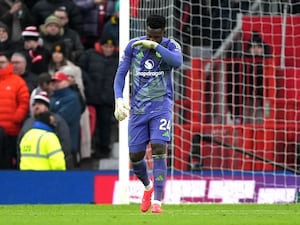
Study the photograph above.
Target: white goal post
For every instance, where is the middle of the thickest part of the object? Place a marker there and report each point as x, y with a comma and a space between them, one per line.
123, 132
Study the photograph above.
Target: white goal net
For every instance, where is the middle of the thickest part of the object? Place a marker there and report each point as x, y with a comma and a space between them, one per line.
236, 113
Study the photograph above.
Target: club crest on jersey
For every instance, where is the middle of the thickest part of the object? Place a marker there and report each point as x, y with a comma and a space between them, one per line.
149, 64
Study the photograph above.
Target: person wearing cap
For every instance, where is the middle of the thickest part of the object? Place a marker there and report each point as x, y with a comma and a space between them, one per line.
40, 148
14, 97
41, 104
66, 102
100, 65
51, 32
37, 55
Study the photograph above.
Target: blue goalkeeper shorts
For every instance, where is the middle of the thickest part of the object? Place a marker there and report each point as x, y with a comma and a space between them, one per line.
145, 128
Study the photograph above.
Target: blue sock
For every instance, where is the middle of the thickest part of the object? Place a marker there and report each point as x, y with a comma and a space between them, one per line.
140, 170
159, 175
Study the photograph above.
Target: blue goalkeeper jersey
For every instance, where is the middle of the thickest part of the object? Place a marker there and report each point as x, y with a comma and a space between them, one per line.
151, 75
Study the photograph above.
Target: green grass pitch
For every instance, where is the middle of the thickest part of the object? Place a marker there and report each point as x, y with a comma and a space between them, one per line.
194, 214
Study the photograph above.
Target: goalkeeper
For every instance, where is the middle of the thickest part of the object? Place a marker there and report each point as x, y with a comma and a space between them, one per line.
151, 59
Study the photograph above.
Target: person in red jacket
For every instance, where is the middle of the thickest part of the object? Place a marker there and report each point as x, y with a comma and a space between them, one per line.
14, 107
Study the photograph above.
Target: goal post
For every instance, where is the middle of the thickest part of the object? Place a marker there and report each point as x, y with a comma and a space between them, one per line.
123, 191
236, 129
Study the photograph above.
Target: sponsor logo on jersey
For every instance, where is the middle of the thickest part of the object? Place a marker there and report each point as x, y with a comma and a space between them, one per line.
150, 74
149, 64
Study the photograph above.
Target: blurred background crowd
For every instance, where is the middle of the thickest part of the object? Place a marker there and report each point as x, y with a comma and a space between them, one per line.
59, 56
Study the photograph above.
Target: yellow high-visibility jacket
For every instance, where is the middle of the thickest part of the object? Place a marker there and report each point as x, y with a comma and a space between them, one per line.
41, 150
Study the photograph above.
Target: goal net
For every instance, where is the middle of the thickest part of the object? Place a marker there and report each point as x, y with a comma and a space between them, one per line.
236, 112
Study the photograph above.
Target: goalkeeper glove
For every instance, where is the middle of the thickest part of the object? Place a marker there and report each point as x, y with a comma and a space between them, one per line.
145, 44
121, 109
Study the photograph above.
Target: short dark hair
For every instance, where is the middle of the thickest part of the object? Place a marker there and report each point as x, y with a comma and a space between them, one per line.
44, 78
5, 54
156, 22
44, 117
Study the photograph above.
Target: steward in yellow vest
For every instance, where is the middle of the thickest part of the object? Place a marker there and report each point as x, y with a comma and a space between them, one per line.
40, 148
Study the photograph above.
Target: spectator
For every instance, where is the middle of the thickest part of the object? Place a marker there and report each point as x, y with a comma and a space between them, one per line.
66, 103
41, 105
249, 76
44, 82
70, 36
75, 76
20, 67
257, 50
100, 65
95, 14
40, 148
44, 8
16, 16
6, 45
51, 32
37, 55
13, 112
59, 58
112, 25
256, 47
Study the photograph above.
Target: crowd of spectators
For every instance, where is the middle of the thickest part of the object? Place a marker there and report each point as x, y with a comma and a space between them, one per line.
53, 54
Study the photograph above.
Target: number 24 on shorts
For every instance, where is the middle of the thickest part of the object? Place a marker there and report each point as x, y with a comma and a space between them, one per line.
165, 124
